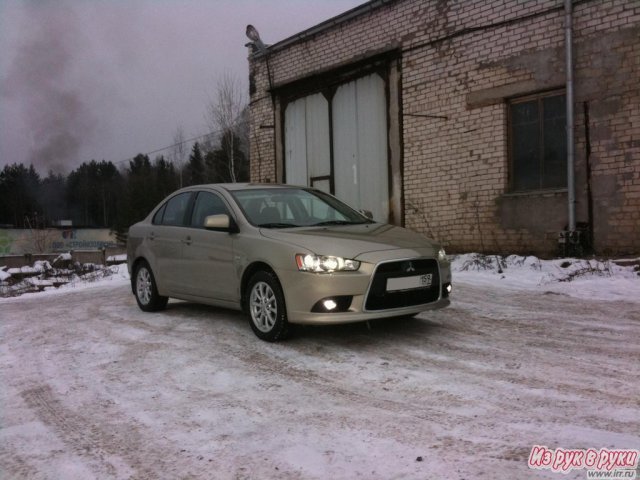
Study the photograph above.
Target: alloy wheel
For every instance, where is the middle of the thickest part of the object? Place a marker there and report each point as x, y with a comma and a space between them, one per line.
263, 306
144, 286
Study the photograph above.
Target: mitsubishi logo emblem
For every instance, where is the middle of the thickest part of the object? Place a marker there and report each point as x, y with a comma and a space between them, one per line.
408, 267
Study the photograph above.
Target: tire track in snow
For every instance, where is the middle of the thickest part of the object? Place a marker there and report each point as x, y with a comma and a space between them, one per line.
14, 467
114, 449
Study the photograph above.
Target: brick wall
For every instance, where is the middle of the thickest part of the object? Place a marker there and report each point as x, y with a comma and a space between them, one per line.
460, 60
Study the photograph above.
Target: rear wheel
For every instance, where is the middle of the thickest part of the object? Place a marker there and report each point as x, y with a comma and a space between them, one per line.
145, 289
266, 307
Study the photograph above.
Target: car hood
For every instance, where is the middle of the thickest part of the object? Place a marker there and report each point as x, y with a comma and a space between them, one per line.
349, 241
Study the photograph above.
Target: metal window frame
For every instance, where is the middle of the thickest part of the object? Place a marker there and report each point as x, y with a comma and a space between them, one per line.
538, 97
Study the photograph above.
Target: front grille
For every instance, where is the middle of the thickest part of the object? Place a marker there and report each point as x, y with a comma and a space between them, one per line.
380, 299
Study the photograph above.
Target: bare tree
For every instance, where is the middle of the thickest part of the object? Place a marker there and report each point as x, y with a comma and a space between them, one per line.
224, 114
178, 150
41, 236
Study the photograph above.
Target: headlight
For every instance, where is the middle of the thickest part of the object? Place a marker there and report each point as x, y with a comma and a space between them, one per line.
325, 264
442, 255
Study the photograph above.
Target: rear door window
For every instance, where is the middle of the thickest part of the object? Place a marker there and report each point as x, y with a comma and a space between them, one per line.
176, 209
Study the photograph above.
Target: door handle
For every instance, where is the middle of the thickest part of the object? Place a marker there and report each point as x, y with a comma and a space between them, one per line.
187, 241
152, 236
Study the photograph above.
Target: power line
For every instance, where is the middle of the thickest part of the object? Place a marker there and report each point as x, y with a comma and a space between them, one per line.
214, 132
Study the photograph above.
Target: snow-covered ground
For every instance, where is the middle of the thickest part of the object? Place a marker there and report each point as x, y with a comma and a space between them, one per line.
91, 387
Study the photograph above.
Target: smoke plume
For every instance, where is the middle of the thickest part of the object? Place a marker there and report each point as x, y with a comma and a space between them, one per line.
44, 79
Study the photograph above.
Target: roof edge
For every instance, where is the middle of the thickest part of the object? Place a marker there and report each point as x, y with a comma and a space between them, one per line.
369, 6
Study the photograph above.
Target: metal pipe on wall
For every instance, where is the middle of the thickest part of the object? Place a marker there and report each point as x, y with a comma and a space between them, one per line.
571, 190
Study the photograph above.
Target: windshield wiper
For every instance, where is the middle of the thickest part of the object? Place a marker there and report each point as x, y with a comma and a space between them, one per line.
277, 225
336, 222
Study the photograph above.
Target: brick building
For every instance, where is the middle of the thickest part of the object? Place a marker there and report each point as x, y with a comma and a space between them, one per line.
448, 117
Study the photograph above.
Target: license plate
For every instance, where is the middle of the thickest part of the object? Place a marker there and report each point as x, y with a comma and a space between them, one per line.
408, 283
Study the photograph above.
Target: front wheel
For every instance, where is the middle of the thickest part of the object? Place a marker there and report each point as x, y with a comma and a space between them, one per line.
145, 289
267, 311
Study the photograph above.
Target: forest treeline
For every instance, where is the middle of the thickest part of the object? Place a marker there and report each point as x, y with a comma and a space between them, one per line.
99, 194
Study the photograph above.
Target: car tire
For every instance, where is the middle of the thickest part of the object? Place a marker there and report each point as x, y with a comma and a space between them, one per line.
145, 289
266, 308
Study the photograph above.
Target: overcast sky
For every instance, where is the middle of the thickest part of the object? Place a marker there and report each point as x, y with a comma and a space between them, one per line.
107, 79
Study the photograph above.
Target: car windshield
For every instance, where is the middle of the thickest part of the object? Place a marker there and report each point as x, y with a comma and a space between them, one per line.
294, 207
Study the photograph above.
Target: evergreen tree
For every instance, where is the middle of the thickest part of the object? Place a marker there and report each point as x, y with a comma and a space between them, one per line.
139, 194
195, 167
52, 197
92, 192
166, 177
19, 188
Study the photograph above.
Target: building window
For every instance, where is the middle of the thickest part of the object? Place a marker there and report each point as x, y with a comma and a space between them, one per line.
538, 142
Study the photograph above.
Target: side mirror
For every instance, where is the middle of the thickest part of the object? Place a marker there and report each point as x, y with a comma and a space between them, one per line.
366, 213
220, 222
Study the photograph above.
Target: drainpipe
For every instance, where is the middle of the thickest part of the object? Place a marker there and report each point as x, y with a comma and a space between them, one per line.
571, 190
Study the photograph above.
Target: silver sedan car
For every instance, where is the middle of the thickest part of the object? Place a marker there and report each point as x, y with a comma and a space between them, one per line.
283, 254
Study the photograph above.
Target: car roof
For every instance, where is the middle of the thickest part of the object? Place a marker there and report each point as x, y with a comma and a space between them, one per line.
252, 186
246, 186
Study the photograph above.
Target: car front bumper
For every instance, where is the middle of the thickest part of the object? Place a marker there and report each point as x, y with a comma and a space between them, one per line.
308, 318
305, 291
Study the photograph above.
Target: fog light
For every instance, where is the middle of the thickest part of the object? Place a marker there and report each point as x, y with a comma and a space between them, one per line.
446, 290
329, 304
336, 304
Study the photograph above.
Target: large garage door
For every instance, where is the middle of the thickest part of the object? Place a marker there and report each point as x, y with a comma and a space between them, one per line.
307, 142
360, 145
358, 135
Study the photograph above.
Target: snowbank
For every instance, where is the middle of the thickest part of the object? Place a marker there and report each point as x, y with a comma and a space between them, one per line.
97, 276
117, 258
4, 275
594, 279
